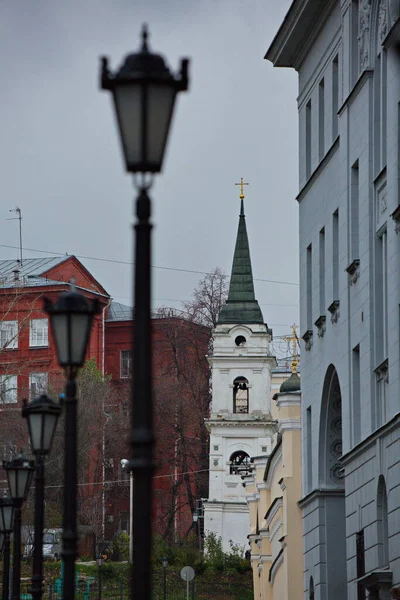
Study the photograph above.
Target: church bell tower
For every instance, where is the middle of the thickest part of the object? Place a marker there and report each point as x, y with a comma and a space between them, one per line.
240, 423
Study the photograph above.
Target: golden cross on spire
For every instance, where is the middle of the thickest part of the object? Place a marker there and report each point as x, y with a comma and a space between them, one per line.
241, 183
294, 340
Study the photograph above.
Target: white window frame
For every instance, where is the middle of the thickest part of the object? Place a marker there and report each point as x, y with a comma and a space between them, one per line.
8, 389
8, 335
38, 333
126, 370
38, 384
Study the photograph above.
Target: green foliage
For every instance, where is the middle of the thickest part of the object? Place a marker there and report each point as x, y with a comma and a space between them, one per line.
120, 546
218, 560
90, 371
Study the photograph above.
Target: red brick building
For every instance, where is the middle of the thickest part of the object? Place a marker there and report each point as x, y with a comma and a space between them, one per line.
28, 366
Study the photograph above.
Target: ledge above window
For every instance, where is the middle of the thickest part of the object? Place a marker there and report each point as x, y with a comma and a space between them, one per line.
307, 337
320, 324
353, 270
396, 218
334, 310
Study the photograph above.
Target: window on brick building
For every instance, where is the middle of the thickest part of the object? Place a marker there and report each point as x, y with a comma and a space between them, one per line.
126, 364
38, 384
38, 333
124, 522
8, 335
8, 389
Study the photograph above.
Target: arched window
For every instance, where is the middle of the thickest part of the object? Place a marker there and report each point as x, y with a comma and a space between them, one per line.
239, 463
382, 524
311, 589
240, 395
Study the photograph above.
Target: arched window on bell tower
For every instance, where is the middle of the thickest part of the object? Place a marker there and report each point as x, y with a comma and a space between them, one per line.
241, 395
239, 463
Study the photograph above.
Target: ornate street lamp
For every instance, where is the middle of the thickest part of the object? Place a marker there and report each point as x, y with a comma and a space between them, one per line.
99, 561
7, 514
164, 563
71, 320
42, 416
19, 475
144, 92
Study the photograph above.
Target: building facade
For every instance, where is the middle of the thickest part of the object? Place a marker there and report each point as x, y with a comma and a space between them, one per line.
29, 367
273, 490
346, 54
240, 423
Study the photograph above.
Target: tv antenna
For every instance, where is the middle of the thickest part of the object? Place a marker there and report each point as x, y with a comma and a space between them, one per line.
19, 217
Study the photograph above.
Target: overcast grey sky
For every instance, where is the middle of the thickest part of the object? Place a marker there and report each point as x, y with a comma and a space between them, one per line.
61, 162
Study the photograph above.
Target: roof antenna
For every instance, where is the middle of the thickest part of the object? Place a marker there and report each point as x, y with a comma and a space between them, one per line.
19, 217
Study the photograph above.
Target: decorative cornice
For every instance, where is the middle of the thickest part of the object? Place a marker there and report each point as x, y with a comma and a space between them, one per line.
289, 424
385, 429
288, 399
298, 31
365, 75
275, 565
273, 509
315, 174
320, 493
273, 459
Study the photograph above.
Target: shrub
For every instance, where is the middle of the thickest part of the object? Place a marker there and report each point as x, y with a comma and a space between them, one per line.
120, 546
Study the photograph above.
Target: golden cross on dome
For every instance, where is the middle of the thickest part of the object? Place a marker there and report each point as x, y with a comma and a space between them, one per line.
294, 340
241, 183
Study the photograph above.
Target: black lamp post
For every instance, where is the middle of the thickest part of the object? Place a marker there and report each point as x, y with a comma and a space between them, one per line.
164, 563
144, 92
7, 514
99, 561
42, 415
71, 322
19, 474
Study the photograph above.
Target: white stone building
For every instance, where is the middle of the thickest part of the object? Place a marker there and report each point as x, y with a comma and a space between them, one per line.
347, 56
240, 422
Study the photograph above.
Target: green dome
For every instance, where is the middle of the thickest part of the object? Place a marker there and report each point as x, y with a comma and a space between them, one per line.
291, 385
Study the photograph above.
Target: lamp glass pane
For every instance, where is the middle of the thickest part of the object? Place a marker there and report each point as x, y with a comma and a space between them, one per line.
35, 430
161, 100
12, 483
1, 542
22, 482
8, 517
127, 100
59, 324
50, 422
80, 328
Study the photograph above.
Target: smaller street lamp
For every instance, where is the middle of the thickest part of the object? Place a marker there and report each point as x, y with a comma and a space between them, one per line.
99, 561
196, 520
71, 319
42, 416
7, 513
164, 563
126, 467
19, 474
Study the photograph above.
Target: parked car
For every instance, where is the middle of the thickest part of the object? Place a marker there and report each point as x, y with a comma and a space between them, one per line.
51, 545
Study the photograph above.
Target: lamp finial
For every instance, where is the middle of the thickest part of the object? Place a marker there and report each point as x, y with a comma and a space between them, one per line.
145, 35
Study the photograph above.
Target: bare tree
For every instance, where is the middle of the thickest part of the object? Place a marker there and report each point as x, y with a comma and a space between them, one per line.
182, 402
208, 298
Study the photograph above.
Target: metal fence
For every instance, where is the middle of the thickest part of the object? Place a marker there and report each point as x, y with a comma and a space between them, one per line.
175, 590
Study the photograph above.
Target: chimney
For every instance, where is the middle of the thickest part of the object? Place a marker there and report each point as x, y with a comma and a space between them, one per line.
16, 274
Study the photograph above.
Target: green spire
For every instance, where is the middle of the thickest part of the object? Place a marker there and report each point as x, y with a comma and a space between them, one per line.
241, 306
